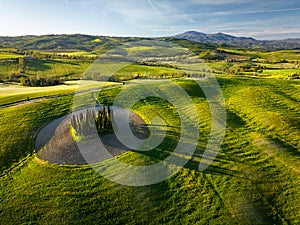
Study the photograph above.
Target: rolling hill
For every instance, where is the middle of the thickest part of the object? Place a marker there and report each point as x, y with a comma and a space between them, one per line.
81, 42
224, 40
195, 41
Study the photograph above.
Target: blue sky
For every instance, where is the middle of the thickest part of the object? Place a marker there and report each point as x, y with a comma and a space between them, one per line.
268, 19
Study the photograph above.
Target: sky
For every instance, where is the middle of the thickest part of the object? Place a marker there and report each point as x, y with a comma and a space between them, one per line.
268, 19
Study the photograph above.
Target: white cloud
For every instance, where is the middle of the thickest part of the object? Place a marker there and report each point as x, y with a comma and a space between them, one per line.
216, 2
271, 31
167, 9
130, 14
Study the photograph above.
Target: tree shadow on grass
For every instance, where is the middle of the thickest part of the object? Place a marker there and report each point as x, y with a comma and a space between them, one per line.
166, 148
38, 65
44, 65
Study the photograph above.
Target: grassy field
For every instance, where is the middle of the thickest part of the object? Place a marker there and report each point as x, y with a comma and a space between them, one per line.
148, 71
16, 93
7, 55
279, 73
275, 64
68, 69
254, 179
71, 53
17, 137
275, 56
262, 64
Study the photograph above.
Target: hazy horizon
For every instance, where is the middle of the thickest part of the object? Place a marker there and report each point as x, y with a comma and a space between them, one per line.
268, 20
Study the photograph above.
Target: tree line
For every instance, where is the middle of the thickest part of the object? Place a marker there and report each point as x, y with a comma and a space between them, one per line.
39, 81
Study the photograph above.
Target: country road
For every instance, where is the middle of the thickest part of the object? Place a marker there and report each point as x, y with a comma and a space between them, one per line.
32, 100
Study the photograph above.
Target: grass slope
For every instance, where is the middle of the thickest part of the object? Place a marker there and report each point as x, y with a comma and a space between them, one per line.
254, 179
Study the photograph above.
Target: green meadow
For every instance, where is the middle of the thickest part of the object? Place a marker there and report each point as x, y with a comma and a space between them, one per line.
253, 180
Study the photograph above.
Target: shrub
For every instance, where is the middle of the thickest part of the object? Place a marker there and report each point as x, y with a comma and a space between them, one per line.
294, 76
39, 82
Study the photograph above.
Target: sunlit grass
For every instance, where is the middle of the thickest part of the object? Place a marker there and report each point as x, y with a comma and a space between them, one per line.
16, 93
253, 180
8, 55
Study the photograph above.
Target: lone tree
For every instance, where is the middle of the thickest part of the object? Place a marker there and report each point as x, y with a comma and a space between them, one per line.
22, 64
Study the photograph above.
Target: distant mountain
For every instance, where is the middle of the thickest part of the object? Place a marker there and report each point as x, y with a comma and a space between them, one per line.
193, 40
213, 38
221, 39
